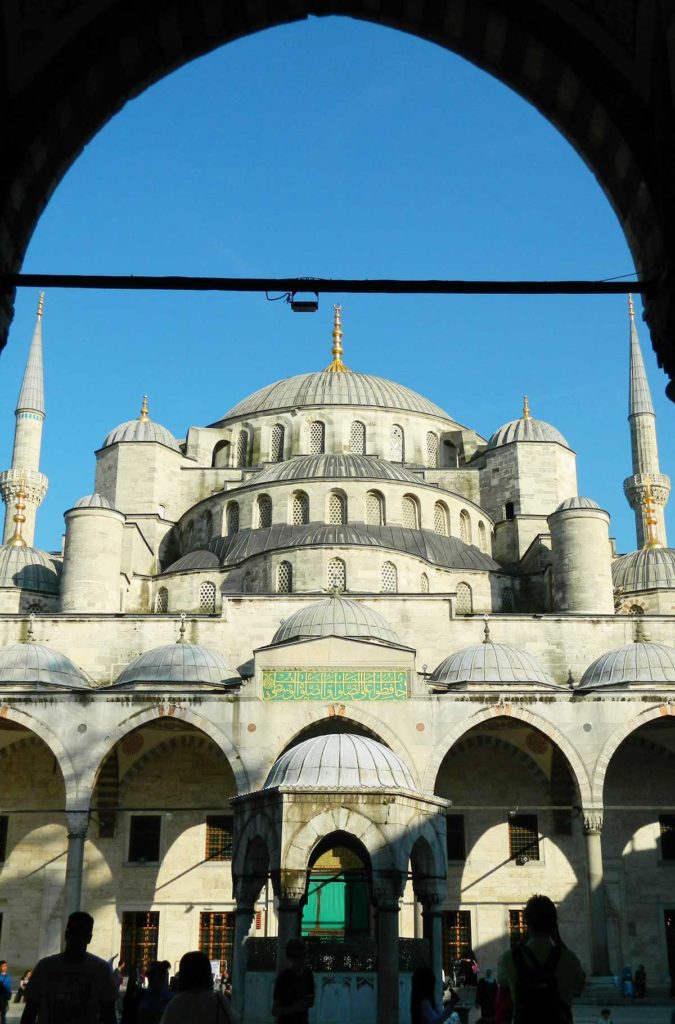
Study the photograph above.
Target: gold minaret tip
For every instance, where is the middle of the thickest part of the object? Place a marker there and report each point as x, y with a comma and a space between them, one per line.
631, 307
144, 409
651, 521
526, 408
17, 539
41, 304
337, 366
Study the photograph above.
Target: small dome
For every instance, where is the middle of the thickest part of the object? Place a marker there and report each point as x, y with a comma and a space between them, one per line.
640, 662
177, 663
142, 429
490, 663
28, 569
576, 503
92, 501
526, 429
329, 467
336, 616
341, 761
36, 664
649, 569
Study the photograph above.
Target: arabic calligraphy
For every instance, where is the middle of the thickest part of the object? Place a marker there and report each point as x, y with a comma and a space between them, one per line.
335, 684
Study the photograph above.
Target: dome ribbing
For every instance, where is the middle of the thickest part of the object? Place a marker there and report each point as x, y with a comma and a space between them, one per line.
341, 761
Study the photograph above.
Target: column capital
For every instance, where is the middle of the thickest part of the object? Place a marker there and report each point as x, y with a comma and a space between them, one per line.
388, 889
290, 888
78, 824
592, 821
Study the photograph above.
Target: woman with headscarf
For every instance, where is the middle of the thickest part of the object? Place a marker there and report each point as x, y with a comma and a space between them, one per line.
195, 1001
423, 1000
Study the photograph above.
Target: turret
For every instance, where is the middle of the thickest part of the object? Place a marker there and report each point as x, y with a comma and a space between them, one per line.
647, 476
582, 561
30, 414
92, 555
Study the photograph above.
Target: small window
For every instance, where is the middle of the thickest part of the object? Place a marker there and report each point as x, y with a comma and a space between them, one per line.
410, 513
464, 527
397, 444
667, 828
509, 510
317, 438
636, 609
482, 536
300, 509
242, 449
523, 838
389, 580
337, 509
424, 583
517, 927
507, 599
374, 509
337, 575
440, 519
162, 601
207, 598
285, 578
357, 438
264, 511
232, 518
456, 843
432, 450
464, 604
456, 937
4, 822
140, 935
277, 443
144, 833
218, 837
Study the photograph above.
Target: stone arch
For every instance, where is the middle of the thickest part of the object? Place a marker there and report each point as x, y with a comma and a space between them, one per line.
598, 77
599, 772
62, 756
577, 767
99, 752
159, 751
300, 844
258, 828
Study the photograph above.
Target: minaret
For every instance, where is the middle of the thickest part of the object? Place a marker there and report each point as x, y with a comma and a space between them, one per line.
647, 486
25, 476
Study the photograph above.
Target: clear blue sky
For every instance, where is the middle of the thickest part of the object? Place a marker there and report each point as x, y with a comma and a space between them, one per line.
339, 149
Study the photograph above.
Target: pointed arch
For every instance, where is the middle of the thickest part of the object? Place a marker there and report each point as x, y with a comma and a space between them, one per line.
601, 766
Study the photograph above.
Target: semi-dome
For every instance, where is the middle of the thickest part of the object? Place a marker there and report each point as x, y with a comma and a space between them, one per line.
178, 663
336, 616
576, 502
313, 467
28, 569
526, 429
36, 664
341, 761
141, 429
639, 662
648, 569
488, 662
95, 500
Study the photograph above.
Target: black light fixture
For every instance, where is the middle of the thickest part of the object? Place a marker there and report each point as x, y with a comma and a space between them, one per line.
304, 302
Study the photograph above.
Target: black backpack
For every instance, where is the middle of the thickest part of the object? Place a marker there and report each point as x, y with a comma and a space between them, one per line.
537, 1000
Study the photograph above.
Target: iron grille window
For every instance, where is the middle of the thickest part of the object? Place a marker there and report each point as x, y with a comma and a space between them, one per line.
456, 937
218, 837
374, 509
409, 512
277, 445
285, 578
207, 598
317, 438
456, 842
233, 517
357, 438
216, 937
264, 512
140, 931
482, 536
464, 527
242, 449
523, 837
4, 822
389, 582
432, 450
337, 509
440, 519
517, 926
300, 509
667, 828
144, 833
507, 599
337, 574
397, 444
464, 599
424, 583
162, 602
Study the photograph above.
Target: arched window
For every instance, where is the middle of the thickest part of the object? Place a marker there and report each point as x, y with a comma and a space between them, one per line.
207, 598
277, 443
284, 578
162, 601
337, 509
221, 455
482, 536
424, 583
374, 509
389, 579
264, 517
507, 599
317, 438
397, 444
636, 609
509, 510
242, 449
410, 512
432, 449
464, 527
232, 518
299, 509
207, 526
357, 438
464, 604
337, 575
247, 584
440, 519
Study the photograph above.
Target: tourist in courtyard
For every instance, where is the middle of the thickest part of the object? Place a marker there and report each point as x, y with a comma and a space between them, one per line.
423, 1008
640, 982
195, 1001
21, 990
154, 999
293, 995
5, 990
605, 1017
486, 997
73, 985
541, 973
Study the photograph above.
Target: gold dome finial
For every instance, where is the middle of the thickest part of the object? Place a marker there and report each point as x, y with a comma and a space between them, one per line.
631, 307
486, 629
181, 631
17, 539
337, 366
144, 410
651, 521
41, 304
526, 408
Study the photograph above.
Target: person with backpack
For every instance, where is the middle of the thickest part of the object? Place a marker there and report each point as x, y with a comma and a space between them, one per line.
541, 974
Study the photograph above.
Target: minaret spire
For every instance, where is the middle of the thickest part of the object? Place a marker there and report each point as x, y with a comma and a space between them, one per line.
337, 366
25, 476
647, 489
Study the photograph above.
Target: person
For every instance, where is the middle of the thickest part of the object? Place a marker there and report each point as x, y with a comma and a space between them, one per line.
470, 968
640, 982
605, 1016
541, 973
5, 990
72, 987
195, 1001
21, 990
423, 1001
156, 996
293, 995
627, 987
486, 997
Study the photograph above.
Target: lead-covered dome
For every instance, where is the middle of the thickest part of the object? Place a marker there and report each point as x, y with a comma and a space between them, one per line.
38, 665
576, 502
489, 662
342, 761
329, 467
639, 662
94, 500
336, 616
28, 569
141, 429
177, 664
526, 429
648, 569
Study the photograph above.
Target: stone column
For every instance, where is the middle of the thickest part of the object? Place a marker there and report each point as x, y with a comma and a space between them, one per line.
433, 933
291, 894
245, 895
387, 900
78, 823
596, 893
